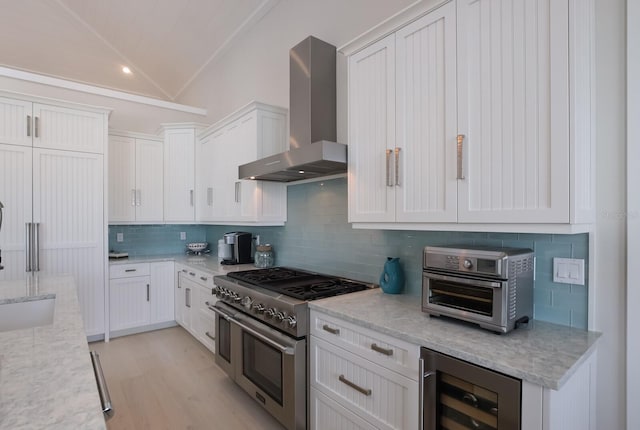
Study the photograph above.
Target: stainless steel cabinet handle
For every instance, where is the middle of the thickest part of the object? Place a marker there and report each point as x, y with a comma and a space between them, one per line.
187, 297
385, 351
103, 390
27, 245
184, 270
388, 159
459, 152
35, 247
139, 197
365, 391
191, 196
37, 121
397, 166
133, 197
204, 278
209, 196
28, 125
209, 335
130, 270
192, 274
330, 329
147, 292
237, 190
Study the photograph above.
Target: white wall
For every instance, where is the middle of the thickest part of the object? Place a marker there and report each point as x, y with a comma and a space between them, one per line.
611, 205
257, 67
125, 116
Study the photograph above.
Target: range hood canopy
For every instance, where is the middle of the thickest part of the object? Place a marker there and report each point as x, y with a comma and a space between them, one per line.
313, 151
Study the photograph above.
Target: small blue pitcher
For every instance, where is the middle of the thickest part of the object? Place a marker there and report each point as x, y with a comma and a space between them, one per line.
392, 277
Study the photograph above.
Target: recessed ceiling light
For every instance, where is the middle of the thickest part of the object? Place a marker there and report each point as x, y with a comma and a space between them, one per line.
252, 177
301, 172
126, 70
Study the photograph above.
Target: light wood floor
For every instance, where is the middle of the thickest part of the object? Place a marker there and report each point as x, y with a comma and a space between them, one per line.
166, 379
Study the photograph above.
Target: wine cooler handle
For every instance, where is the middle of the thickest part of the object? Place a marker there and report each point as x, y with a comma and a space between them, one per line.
425, 378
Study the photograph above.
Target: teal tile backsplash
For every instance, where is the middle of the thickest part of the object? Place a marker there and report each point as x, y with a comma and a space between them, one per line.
317, 237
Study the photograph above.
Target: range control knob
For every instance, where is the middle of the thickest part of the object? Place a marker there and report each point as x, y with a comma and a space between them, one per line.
468, 264
270, 313
280, 316
246, 302
291, 321
219, 293
258, 308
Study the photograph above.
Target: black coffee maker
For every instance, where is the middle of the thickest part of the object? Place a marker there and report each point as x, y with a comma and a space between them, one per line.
240, 242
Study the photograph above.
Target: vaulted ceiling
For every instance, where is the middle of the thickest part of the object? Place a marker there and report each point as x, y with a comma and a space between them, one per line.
165, 43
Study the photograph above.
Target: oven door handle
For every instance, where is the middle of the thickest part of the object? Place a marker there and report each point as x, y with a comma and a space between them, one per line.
220, 312
473, 282
287, 350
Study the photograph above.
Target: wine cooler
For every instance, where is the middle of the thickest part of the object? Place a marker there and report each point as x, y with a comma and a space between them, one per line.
456, 395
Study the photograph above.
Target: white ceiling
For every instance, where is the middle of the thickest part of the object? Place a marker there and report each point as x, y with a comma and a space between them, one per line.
166, 43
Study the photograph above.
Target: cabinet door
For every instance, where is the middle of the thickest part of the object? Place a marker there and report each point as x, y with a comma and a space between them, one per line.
513, 111
327, 414
162, 292
122, 179
425, 151
15, 195
179, 297
16, 122
372, 132
129, 302
228, 147
68, 202
189, 300
179, 175
58, 127
149, 180
205, 168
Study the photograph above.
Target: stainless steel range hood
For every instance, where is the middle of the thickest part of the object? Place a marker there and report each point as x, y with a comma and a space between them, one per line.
313, 151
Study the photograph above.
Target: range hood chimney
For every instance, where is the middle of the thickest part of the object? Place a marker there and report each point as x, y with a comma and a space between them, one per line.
313, 149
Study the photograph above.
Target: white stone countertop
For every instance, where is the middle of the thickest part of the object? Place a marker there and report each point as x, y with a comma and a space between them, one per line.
541, 353
207, 263
46, 376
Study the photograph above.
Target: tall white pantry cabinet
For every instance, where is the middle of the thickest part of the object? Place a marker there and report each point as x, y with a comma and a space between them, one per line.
476, 112
52, 168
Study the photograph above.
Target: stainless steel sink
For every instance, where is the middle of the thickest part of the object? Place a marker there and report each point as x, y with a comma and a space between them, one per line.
27, 314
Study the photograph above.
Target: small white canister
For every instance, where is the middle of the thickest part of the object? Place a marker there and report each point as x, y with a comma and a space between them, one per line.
224, 250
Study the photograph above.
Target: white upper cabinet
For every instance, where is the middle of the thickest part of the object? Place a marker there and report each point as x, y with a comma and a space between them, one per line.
253, 132
476, 115
179, 172
135, 179
514, 111
402, 125
25, 123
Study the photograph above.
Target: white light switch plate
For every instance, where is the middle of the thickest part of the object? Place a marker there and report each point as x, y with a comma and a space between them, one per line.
119, 237
568, 271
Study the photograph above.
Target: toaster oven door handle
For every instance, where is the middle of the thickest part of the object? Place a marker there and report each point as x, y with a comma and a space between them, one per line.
476, 282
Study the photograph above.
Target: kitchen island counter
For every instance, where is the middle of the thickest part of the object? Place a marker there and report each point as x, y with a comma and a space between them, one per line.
542, 353
46, 376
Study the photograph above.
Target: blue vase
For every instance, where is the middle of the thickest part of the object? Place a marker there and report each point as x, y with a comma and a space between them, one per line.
392, 278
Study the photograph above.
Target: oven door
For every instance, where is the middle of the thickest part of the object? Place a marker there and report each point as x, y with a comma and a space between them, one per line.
224, 343
471, 299
272, 369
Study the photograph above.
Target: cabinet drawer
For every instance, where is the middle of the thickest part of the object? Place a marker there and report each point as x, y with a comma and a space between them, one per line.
205, 327
378, 394
387, 351
326, 414
198, 276
205, 295
128, 270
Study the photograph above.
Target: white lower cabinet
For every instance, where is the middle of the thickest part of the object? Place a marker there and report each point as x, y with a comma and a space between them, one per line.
193, 295
140, 297
361, 379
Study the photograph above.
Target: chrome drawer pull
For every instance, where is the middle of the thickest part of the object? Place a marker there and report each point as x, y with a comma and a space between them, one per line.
331, 329
209, 335
130, 270
192, 274
365, 391
385, 351
204, 278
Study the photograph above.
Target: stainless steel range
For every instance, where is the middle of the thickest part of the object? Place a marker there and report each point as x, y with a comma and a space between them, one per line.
262, 325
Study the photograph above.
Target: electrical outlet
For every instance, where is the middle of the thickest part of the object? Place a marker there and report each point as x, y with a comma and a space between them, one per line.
119, 237
183, 235
568, 271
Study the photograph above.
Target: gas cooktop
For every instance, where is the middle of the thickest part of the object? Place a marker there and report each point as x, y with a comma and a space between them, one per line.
298, 284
